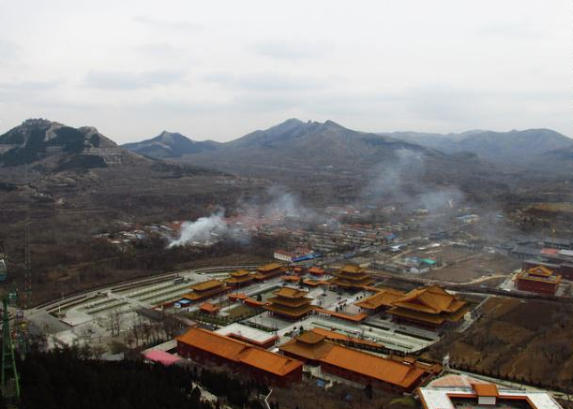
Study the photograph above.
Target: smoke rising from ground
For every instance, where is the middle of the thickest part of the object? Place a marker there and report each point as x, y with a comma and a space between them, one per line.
402, 182
278, 205
201, 230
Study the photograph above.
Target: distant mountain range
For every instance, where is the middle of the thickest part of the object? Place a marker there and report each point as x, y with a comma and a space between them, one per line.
503, 147
290, 145
170, 145
317, 160
326, 142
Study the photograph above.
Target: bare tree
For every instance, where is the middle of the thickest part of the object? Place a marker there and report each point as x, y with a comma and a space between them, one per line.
556, 350
115, 320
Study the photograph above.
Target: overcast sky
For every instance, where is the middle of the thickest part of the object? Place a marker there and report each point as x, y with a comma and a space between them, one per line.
220, 69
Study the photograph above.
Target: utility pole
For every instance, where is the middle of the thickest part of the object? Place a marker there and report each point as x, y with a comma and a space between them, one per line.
27, 254
10, 383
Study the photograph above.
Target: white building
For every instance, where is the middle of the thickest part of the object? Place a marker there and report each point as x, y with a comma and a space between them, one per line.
460, 391
283, 255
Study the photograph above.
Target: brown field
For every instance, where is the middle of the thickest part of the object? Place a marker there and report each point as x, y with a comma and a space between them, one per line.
525, 341
477, 267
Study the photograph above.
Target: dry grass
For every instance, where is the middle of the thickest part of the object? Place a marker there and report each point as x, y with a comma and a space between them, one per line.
528, 341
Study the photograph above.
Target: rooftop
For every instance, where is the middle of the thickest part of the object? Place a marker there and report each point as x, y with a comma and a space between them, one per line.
239, 351
337, 336
307, 346
373, 366
269, 267
456, 392
352, 269
161, 357
431, 300
246, 332
541, 274
240, 273
208, 307
288, 292
383, 298
206, 285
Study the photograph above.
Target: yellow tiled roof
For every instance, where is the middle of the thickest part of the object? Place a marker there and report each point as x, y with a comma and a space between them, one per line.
287, 292
206, 285
239, 351
383, 298
385, 370
269, 267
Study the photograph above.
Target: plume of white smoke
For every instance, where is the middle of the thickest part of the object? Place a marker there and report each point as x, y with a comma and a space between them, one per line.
279, 204
401, 181
201, 230
441, 200
285, 204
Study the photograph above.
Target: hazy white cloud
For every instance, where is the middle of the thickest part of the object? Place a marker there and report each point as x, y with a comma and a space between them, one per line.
266, 81
125, 80
294, 50
166, 24
221, 69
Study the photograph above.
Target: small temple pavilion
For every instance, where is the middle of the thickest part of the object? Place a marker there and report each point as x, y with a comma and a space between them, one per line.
352, 277
268, 271
206, 289
538, 279
239, 278
290, 303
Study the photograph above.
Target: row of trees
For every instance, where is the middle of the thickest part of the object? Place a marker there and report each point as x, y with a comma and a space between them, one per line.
65, 378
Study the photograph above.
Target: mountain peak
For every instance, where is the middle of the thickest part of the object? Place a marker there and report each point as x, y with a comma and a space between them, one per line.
58, 146
169, 145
